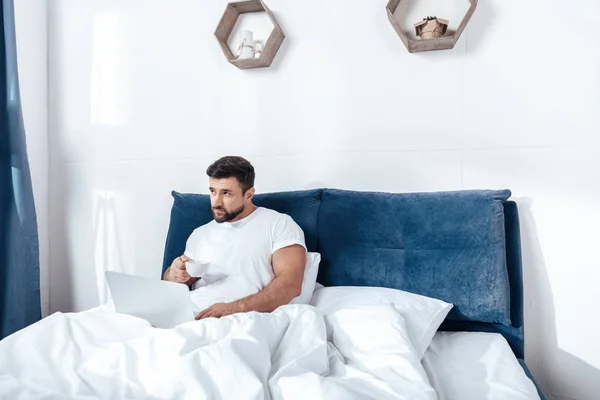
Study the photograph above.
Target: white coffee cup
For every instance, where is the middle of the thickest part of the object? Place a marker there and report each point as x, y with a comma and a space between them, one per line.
196, 268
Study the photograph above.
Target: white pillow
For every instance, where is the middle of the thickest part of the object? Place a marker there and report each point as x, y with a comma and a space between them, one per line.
376, 347
423, 315
311, 270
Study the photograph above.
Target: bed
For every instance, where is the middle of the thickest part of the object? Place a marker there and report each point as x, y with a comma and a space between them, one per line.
419, 296
463, 247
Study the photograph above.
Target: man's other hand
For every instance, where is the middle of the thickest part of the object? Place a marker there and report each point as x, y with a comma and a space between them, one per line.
218, 310
177, 272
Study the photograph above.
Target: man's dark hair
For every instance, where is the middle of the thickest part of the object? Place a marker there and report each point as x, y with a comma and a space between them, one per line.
233, 166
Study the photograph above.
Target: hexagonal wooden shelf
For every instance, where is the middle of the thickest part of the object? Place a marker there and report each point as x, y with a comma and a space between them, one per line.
225, 27
418, 45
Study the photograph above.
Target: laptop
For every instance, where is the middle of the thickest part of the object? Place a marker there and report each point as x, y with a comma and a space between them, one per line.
164, 304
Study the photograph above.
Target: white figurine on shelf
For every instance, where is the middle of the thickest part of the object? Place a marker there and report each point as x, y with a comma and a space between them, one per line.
246, 47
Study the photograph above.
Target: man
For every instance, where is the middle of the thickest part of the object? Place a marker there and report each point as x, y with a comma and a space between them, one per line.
262, 246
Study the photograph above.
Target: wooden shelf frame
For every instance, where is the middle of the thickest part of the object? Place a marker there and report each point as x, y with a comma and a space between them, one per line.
227, 23
418, 45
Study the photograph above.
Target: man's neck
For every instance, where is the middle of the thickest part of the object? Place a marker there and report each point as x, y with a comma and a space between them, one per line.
247, 211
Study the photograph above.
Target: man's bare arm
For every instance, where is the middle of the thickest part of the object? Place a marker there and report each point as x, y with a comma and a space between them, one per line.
288, 267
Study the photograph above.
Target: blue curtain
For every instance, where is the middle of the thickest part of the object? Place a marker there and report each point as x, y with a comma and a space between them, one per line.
19, 248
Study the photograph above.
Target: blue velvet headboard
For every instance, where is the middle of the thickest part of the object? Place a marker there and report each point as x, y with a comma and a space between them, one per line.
462, 247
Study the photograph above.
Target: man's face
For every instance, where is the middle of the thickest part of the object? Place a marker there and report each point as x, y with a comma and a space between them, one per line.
226, 199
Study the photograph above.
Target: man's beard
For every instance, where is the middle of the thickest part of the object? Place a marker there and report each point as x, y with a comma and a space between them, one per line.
228, 216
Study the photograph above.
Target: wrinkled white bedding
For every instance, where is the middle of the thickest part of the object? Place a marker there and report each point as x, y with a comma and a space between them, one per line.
292, 353
475, 366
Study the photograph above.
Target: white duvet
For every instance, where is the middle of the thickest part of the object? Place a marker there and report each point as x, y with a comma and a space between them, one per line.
292, 353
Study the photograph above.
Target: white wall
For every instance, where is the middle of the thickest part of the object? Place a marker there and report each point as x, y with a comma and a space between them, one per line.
142, 100
31, 29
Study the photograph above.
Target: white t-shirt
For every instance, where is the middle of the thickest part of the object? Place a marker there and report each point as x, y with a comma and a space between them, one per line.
243, 249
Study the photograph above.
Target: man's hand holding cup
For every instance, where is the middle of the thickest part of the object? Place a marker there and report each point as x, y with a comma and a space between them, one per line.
177, 271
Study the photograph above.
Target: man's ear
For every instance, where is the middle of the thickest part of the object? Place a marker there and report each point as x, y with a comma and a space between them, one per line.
249, 194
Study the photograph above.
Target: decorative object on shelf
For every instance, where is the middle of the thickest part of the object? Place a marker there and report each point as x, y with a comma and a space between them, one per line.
258, 48
431, 27
443, 42
246, 48
250, 53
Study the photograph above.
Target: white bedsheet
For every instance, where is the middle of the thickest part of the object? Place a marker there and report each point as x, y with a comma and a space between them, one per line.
281, 355
476, 366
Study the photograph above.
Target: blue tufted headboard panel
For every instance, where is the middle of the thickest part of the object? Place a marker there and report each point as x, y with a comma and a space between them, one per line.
462, 246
